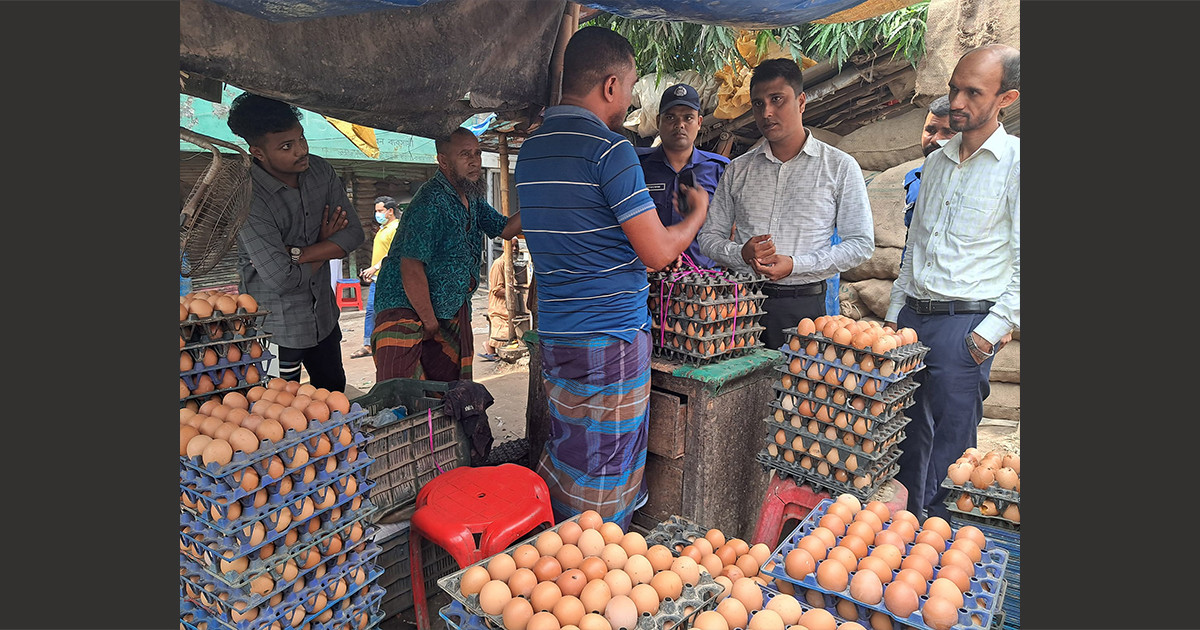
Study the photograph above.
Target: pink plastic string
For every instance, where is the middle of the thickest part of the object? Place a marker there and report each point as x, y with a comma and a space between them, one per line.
429, 413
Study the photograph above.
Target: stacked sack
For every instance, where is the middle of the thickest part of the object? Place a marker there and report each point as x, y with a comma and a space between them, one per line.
836, 421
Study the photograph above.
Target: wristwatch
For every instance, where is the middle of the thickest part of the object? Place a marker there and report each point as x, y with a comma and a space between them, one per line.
295, 254
976, 349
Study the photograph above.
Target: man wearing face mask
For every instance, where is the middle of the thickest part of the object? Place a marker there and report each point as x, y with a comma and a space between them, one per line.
385, 216
299, 220
423, 299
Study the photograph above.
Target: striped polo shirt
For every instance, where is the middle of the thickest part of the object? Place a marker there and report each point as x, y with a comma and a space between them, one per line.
577, 182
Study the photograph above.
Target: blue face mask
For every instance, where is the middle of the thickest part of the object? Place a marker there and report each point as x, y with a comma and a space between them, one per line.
380, 218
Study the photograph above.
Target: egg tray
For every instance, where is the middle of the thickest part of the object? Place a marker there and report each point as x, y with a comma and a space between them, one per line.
742, 334
869, 463
269, 513
881, 435
770, 593
207, 546
880, 475
906, 358
691, 356
457, 618
216, 374
219, 494
824, 365
358, 597
397, 576
993, 491
893, 394
708, 328
676, 530
1001, 504
895, 399
224, 319
689, 283
272, 565
267, 448
223, 363
193, 617
221, 346
241, 599
707, 309
982, 599
1003, 534
873, 473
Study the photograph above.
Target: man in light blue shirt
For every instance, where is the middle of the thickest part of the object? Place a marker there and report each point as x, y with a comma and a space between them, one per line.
960, 280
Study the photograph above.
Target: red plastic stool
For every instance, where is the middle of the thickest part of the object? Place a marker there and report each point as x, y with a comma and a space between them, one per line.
786, 500
499, 503
348, 284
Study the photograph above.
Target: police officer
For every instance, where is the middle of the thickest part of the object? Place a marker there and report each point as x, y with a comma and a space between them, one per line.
677, 159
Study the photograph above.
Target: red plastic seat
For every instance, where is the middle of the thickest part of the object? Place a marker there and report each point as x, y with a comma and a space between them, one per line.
500, 504
353, 286
785, 500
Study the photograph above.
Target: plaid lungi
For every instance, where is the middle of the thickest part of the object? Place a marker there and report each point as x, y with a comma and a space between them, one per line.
599, 395
401, 351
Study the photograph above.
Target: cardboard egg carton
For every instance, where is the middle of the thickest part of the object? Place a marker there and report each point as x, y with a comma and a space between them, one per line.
694, 598
902, 360
357, 598
981, 602
268, 448
819, 446
344, 479
868, 480
208, 546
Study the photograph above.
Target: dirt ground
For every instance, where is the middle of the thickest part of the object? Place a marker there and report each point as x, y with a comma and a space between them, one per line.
509, 385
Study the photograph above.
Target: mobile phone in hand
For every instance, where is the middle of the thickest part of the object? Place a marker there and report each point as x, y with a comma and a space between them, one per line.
686, 178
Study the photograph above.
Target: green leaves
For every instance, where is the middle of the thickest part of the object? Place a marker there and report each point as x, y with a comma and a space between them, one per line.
664, 47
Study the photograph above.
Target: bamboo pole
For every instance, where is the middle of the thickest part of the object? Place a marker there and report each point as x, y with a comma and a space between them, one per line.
568, 26
510, 278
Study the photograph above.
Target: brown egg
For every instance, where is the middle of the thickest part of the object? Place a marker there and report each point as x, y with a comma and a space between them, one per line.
294, 419
547, 568
317, 410
798, 563
516, 613
667, 584
947, 589
521, 582
639, 570
1012, 513
571, 582
595, 596
926, 551
939, 525
501, 567
591, 542
244, 440
956, 575
645, 598
856, 545
918, 563
525, 555
473, 580
611, 532
217, 452
548, 543
907, 531
734, 612
815, 547
710, 620
914, 579
825, 535
732, 572
846, 609
727, 586
969, 547
866, 587
844, 556
568, 609
618, 582
590, 519
832, 575
833, 523
931, 537
900, 598
939, 613
593, 567
815, 598
569, 556
613, 555
842, 510
544, 596
765, 619
877, 565
787, 606
544, 620
687, 569
958, 558
569, 532
660, 557
186, 433
621, 612
748, 564
818, 619
711, 563
594, 621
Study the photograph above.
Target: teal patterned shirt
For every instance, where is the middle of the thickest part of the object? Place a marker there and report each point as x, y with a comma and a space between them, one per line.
437, 230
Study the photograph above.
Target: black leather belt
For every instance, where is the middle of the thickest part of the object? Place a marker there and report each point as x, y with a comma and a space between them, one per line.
793, 290
934, 307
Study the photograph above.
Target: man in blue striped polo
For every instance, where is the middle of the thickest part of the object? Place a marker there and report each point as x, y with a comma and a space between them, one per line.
592, 231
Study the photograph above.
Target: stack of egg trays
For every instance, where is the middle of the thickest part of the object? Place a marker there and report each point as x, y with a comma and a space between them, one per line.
349, 614
880, 473
694, 599
215, 372
903, 361
221, 600
1008, 538
880, 433
1001, 496
824, 446
895, 398
222, 327
980, 604
712, 302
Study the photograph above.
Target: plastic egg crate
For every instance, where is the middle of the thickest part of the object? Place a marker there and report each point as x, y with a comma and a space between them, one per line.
220, 327
841, 373
457, 618
675, 531
993, 491
770, 593
358, 598
900, 361
895, 398
699, 328
346, 479
267, 448
705, 284
876, 476
707, 311
980, 603
244, 343
217, 371
213, 497
707, 349
241, 598
870, 445
208, 546
1009, 539
1001, 505
836, 452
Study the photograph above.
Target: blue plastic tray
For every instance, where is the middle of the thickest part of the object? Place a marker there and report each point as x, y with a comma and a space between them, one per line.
981, 602
1009, 539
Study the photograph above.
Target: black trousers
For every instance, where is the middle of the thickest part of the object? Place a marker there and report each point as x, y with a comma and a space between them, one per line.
783, 313
323, 362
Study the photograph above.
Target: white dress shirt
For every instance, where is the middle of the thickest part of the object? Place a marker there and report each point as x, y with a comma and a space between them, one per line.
965, 239
798, 202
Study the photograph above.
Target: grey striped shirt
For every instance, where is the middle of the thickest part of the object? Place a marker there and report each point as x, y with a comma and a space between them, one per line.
799, 203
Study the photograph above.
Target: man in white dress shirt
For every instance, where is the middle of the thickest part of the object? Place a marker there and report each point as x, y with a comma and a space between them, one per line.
960, 282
